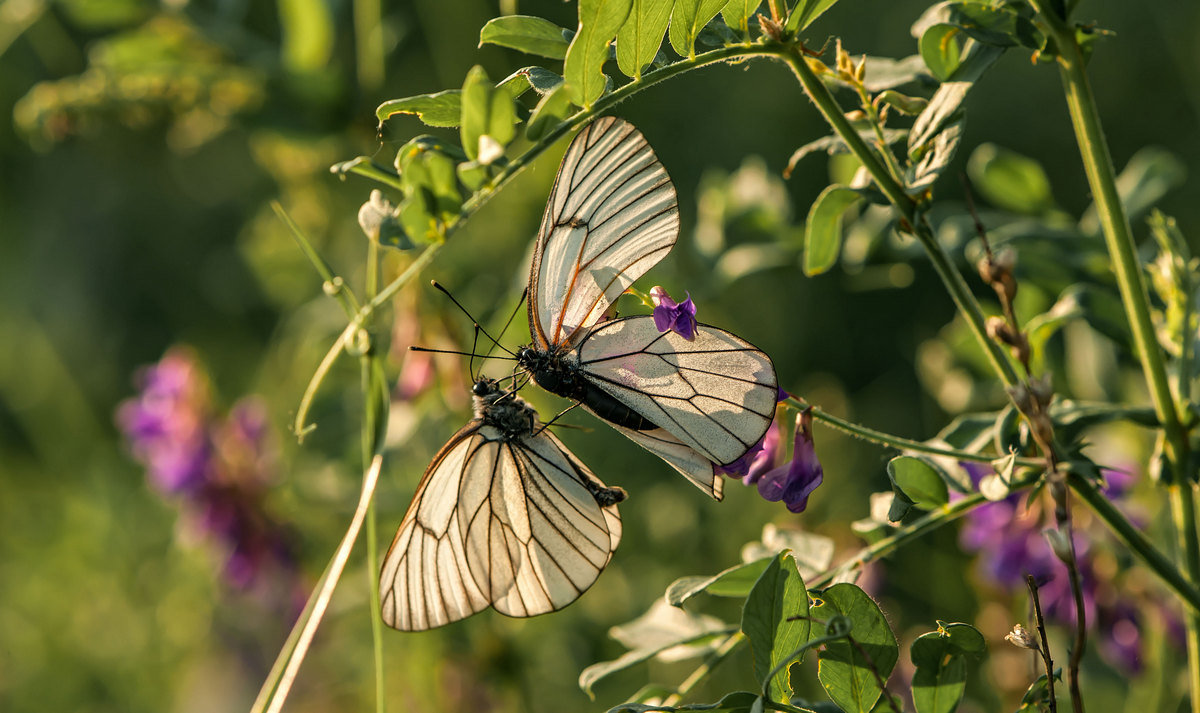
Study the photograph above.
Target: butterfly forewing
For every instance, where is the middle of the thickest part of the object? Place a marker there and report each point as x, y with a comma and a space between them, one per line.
612, 215
715, 393
499, 519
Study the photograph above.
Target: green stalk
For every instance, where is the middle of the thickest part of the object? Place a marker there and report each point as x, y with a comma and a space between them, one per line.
1183, 510
1118, 236
370, 430
904, 444
967, 305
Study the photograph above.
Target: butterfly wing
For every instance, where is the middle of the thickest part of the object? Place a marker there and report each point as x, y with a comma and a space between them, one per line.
714, 394
680, 456
509, 523
612, 215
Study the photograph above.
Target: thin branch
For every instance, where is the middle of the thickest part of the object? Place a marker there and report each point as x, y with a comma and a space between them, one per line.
1044, 643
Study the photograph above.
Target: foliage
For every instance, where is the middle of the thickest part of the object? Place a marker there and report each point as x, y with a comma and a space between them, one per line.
170, 130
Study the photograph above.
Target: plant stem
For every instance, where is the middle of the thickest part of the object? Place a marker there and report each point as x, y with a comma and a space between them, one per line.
710, 662
911, 531
1136, 541
967, 305
1183, 511
1043, 642
1118, 236
905, 444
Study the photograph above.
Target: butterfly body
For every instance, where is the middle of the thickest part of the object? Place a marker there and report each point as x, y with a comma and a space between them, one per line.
560, 375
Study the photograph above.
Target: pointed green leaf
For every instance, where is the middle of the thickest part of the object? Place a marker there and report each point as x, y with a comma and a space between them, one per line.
441, 109
736, 581
543, 81
661, 630
778, 595
548, 113
642, 35
848, 671
823, 230
919, 481
737, 15
804, 12
583, 70
531, 35
941, 675
476, 99
688, 17
941, 50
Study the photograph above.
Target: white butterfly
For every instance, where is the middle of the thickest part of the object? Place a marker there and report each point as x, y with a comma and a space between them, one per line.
612, 215
505, 516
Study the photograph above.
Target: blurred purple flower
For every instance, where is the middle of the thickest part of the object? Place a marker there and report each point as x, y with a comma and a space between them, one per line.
671, 316
1008, 539
220, 469
166, 423
793, 482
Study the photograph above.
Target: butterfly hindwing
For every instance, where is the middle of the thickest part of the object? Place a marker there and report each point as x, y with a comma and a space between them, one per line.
715, 393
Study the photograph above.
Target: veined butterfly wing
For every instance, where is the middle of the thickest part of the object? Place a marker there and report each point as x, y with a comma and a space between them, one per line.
504, 516
715, 394
611, 216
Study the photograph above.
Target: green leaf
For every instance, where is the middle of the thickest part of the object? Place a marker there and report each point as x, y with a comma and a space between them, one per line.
476, 100
941, 675
1149, 175
964, 636
803, 14
306, 27
663, 631
688, 17
583, 69
813, 553
919, 481
886, 73
737, 15
549, 113
441, 109
543, 81
531, 35
642, 35
941, 50
848, 672
935, 157
778, 595
736, 581
736, 702
823, 229
944, 107
1009, 180
488, 116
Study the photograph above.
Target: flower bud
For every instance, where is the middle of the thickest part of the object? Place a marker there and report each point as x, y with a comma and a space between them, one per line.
1019, 636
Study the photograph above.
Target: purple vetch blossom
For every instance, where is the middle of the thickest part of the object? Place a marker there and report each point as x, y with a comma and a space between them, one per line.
672, 316
794, 481
218, 470
761, 457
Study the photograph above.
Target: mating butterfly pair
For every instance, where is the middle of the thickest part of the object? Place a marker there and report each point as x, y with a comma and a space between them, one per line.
505, 515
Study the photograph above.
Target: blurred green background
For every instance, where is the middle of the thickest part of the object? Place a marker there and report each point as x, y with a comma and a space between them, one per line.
144, 144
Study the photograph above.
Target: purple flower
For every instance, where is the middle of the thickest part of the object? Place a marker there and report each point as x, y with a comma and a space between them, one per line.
794, 481
761, 456
671, 316
219, 469
166, 423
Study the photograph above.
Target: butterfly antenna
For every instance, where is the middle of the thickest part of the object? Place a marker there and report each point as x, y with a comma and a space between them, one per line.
562, 413
451, 351
474, 321
471, 363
